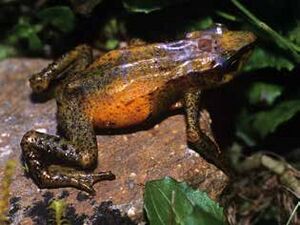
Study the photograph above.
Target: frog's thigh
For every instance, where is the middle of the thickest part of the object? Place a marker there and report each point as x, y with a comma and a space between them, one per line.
78, 130
77, 145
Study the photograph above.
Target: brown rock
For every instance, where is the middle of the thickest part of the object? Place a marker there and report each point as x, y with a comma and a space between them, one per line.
134, 158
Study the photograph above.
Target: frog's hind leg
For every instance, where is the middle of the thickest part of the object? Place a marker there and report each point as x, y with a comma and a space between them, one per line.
78, 148
40, 150
64, 67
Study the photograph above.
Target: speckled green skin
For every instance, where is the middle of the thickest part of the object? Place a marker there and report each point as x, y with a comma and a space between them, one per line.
167, 73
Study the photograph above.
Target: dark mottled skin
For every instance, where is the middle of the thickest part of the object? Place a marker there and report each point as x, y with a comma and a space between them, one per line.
123, 88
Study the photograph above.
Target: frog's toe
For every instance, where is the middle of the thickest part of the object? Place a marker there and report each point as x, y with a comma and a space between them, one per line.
108, 175
86, 186
85, 181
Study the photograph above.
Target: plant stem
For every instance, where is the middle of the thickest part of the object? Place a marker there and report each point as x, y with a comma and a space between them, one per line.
281, 41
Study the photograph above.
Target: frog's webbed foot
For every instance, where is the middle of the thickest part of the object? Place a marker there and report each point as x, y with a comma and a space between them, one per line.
68, 177
74, 178
41, 150
200, 138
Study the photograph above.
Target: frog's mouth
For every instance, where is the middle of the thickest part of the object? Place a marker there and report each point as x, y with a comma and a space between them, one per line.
236, 61
233, 65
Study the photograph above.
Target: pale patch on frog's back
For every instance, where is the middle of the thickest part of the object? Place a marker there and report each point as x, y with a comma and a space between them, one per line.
128, 55
130, 106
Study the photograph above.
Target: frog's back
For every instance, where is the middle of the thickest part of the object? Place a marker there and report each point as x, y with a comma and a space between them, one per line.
157, 59
123, 86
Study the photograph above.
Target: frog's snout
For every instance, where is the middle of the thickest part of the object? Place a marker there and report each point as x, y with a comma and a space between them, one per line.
248, 37
249, 40
236, 41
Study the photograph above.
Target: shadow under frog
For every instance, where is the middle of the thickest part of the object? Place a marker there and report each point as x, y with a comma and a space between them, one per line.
127, 88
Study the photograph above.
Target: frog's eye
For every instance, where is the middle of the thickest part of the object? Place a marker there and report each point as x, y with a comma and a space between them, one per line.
205, 45
220, 28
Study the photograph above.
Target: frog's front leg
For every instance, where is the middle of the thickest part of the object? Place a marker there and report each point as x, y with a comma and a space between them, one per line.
63, 68
77, 148
206, 146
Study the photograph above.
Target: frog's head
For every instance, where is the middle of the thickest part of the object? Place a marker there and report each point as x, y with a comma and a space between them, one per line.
227, 50
234, 49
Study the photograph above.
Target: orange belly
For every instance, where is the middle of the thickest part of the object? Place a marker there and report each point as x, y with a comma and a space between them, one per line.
117, 113
125, 108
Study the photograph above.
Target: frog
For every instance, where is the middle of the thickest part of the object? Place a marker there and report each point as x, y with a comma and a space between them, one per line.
125, 88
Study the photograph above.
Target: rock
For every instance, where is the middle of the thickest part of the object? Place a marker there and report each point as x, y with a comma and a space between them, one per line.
134, 158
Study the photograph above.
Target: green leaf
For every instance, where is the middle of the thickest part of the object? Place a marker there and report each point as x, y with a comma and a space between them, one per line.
264, 93
27, 31
35, 42
111, 44
253, 127
57, 210
60, 17
112, 28
261, 58
7, 51
167, 201
148, 6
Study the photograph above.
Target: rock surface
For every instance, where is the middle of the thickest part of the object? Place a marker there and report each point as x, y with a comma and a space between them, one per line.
134, 158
